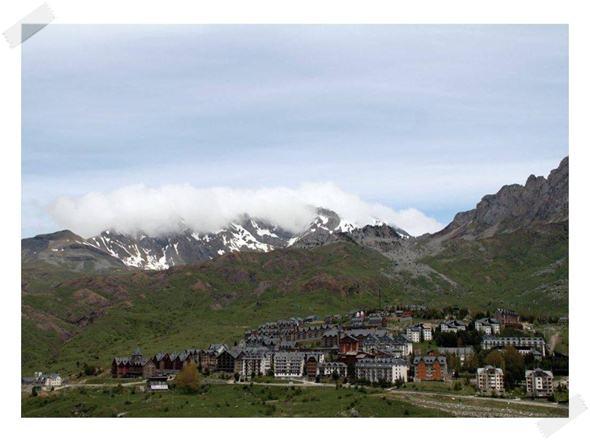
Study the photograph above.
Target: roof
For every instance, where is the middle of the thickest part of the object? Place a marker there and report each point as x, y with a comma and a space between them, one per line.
514, 340
380, 362
332, 365
217, 349
364, 332
489, 369
290, 355
506, 312
487, 321
453, 323
456, 350
160, 356
51, 376
538, 372
430, 360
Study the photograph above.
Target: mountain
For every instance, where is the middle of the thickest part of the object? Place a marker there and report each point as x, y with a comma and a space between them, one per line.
112, 249
66, 249
510, 251
513, 248
540, 201
146, 252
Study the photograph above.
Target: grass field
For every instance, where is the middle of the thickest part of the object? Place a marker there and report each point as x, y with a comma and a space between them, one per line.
222, 401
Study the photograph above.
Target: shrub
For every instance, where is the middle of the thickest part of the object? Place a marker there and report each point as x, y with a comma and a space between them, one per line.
188, 380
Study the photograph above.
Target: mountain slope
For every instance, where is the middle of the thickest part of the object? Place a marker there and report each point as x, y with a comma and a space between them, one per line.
540, 201
513, 247
68, 250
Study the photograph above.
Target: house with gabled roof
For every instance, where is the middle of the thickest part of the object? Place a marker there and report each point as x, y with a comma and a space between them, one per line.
253, 361
452, 326
48, 381
507, 317
489, 326
339, 369
418, 332
131, 366
430, 368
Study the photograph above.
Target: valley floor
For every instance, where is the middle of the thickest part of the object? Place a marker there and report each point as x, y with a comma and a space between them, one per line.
296, 399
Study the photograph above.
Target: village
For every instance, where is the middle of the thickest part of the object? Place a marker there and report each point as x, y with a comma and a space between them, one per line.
495, 354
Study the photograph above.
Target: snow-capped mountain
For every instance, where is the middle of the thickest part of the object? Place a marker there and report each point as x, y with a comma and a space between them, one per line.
244, 234
190, 247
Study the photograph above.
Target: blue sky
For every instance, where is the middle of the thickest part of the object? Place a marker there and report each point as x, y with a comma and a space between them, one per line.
424, 117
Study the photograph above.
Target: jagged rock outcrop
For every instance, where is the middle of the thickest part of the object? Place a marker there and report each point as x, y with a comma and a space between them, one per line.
540, 201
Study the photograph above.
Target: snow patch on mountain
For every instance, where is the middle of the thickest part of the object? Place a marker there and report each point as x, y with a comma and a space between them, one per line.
244, 234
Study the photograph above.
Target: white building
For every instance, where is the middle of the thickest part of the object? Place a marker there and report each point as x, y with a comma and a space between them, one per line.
158, 383
387, 369
427, 332
414, 333
329, 368
453, 326
292, 363
490, 380
288, 364
489, 326
523, 344
539, 383
49, 381
418, 332
254, 362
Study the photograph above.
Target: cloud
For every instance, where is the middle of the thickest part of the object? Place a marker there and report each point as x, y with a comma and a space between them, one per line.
161, 210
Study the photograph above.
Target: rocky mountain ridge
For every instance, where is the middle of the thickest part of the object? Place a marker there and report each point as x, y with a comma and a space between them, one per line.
112, 249
540, 201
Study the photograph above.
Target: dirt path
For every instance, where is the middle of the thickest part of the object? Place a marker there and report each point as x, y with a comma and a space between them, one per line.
478, 398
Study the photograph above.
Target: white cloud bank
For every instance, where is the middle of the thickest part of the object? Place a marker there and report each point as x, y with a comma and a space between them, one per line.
158, 211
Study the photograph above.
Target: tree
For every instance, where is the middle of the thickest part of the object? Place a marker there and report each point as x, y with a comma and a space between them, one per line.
453, 362
514, 366
188, 380
495, 359
89, 370
471, 362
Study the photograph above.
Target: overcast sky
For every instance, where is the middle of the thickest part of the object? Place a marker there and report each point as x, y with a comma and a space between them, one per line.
423, 117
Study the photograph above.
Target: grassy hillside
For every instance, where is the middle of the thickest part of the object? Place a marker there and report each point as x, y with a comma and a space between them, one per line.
526, 270
69, 320
92, 318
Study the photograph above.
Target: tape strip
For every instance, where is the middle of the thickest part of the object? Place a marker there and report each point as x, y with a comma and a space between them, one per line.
29, 25
549, 427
